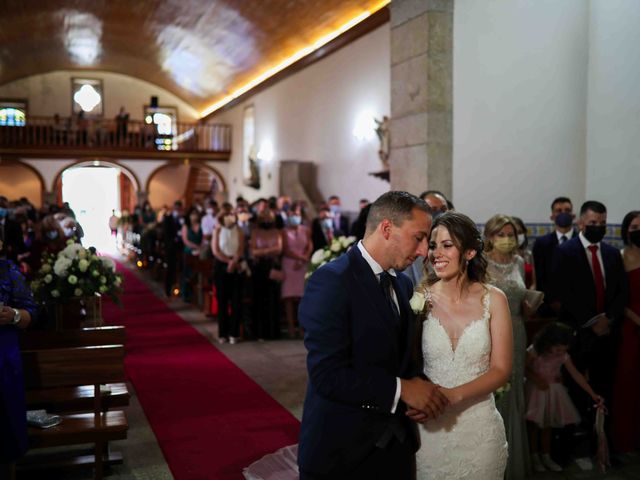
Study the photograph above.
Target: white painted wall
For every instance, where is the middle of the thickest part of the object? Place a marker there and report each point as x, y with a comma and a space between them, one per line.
50, 93
519, 120
311, 116
613, 127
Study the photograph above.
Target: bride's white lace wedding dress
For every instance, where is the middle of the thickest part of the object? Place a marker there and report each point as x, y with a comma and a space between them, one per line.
468, 440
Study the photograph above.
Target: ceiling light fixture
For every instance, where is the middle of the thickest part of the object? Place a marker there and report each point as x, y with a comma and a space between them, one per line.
292, 59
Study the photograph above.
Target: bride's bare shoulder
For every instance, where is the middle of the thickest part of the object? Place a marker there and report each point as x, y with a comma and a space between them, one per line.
496, 296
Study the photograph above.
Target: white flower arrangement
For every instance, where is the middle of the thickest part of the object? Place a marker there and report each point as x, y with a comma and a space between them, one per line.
329, 253
76, 272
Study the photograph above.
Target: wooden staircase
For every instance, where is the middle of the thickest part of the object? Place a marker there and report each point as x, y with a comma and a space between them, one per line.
200, 185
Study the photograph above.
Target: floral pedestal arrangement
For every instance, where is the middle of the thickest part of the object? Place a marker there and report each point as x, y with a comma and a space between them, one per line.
71, 285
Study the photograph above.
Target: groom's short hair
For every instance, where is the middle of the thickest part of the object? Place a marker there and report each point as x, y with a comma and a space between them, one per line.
395, 206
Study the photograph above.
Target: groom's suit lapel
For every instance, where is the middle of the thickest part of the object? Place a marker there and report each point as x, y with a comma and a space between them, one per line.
366, 281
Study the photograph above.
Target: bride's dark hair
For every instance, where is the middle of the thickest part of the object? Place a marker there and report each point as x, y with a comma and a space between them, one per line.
466, 237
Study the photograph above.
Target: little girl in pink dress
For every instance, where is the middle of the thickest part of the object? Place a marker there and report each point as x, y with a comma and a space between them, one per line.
548, 402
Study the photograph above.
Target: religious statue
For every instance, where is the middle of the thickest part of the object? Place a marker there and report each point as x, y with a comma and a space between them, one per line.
254, 170
382, 130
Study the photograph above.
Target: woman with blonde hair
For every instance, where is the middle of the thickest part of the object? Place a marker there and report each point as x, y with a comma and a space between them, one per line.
507, 272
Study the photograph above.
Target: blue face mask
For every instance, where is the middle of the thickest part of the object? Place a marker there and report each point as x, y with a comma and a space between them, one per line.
295, 220
52, 234
335, 209
564, 220
3, 212
328, 223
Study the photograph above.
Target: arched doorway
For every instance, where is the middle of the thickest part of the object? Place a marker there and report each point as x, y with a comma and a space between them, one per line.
19, 180
188, 182
95, 189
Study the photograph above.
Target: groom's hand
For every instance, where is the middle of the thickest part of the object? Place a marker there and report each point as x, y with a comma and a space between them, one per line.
424, 396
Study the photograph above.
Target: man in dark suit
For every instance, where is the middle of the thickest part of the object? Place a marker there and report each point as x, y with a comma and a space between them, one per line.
322, 229
591, 286
340, 222
359, 329
171, 233
544, 250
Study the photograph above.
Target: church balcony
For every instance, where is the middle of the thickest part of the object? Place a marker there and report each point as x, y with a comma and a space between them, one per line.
54, 137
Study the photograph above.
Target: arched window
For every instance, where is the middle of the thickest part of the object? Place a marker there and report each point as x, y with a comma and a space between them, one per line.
13, 114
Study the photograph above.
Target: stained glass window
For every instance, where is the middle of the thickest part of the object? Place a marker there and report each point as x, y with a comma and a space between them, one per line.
13, 114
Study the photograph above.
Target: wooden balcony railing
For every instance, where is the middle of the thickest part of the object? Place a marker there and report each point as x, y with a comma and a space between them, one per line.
109, 135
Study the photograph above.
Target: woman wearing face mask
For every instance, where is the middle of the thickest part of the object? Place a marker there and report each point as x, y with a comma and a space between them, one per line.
525, 253
506, 271
192, 239
297, 248
227, 247
626, 396
265, 249
49, 239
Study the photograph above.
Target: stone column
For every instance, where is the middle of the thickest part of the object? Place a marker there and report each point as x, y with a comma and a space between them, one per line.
421, 95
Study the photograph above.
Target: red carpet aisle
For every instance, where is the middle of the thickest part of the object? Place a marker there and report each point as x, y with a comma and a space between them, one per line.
209, 417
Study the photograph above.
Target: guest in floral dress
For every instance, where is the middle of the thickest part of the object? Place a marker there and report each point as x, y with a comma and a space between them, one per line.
297, 248
16, 312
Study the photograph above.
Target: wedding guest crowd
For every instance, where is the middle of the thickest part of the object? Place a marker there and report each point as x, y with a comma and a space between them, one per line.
576, 343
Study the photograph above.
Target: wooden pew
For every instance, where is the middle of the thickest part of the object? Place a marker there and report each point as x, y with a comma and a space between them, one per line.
81, 337
72, 367
75, 398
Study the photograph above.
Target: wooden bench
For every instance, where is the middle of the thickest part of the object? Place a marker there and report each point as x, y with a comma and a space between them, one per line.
75, 398
72, 367
81, 337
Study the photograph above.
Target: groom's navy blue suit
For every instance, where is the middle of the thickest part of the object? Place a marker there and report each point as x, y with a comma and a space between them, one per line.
356, 349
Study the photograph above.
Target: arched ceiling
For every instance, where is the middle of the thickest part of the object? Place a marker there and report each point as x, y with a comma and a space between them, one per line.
200, 50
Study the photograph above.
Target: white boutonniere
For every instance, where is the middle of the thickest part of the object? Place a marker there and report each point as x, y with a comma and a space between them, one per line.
418, 301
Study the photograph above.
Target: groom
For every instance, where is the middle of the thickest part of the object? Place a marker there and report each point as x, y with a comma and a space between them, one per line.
359, 331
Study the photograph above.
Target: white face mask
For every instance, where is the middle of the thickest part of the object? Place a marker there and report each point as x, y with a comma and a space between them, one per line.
209, 211
521, 239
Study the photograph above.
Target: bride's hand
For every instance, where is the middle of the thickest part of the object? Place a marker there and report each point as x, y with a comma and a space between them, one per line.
417, 416
451, 395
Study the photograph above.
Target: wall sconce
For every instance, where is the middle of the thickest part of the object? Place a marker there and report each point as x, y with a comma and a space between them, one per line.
365, 127
265, 154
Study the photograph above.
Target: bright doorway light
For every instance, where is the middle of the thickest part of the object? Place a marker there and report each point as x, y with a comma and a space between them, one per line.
92, 192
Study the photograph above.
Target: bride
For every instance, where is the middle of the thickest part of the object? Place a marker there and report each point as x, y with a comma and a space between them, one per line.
466, 349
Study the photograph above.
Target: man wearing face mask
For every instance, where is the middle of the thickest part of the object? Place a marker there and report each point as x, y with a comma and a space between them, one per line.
544, 250
208, 224
322, 229
340, 222
590, 283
